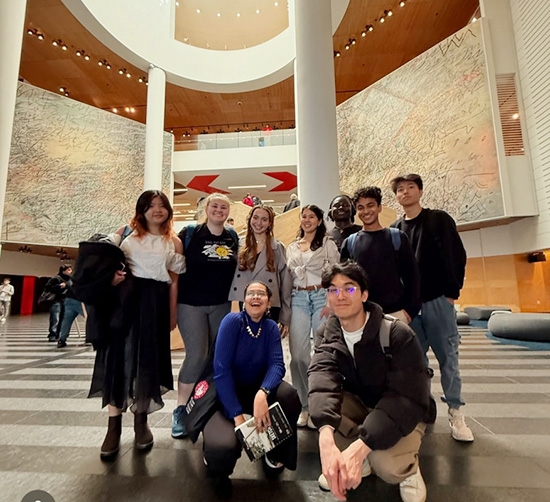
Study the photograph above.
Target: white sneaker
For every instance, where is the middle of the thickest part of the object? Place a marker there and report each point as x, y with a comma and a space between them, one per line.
459, 430
303, 418
413, 489
323, 483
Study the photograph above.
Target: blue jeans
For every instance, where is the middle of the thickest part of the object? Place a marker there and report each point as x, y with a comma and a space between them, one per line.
436, 327
55, 315
306, 310
73, 308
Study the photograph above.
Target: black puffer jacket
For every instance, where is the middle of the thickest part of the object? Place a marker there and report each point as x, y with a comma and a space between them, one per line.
396, 387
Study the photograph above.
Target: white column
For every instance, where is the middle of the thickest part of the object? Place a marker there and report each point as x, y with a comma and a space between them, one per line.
12, 27
315, 104
156, 91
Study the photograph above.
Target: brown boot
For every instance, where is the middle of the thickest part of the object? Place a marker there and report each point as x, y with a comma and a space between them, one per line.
144, 437
111, 444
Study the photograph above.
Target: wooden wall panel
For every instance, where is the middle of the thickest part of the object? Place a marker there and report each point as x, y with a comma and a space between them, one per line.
474, 291
501, 280
533, 284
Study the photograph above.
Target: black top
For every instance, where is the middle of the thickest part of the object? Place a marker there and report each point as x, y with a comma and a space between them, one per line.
211, 261
339, 234
394, 280
439, 251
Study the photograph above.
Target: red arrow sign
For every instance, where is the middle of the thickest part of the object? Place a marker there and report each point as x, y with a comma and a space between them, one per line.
202, 184
289, 181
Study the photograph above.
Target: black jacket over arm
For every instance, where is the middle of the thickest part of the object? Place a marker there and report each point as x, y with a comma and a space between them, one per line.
396, 388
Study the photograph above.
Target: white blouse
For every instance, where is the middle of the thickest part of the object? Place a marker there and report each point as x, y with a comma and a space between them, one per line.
152, 256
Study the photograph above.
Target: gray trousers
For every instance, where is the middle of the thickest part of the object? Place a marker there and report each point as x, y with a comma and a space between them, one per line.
198, 327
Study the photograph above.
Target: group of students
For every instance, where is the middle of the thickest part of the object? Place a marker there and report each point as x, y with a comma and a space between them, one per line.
191, 279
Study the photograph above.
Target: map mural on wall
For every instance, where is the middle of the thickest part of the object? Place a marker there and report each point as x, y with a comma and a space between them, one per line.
432, 117
74, 170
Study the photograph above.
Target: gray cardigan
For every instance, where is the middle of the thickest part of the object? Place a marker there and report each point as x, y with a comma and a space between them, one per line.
280, 281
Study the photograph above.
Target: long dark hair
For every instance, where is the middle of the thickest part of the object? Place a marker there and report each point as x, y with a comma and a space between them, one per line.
139, 223
321, 231
247, 255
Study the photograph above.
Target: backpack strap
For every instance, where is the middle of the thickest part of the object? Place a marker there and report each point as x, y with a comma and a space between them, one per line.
233, 235
125, 233
384, 335
189, 231
395, 238
350, 244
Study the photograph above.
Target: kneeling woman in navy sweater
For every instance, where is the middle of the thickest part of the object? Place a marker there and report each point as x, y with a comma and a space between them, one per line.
249, 370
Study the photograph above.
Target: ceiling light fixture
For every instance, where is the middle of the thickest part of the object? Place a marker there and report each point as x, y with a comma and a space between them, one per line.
198, 11
337, 54
62, 89
115, 110
382, 19
78, 53
388, 13
128, 75
238, 14
515, 116
30, 32
247, 186
64, 47
402, 3
257, 11
40, 36
127, 109
122, 71
86, 57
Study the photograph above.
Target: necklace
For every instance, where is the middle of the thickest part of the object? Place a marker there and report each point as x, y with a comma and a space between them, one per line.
249, 329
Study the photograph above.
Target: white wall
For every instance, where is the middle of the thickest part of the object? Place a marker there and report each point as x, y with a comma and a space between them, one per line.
530, 24
13, 263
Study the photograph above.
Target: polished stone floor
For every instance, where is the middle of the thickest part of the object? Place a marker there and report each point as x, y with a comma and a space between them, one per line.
50, 434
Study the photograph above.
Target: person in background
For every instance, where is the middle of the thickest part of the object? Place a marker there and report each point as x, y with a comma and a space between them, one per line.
263, 258
292, 203
248, 200
248, 371
441, 259
72, 308
342, 211
58, 286
6, 292
368, 392
307, 257
211, 255
133, 369
231, 222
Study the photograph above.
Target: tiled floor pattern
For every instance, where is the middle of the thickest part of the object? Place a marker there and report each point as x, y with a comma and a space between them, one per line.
50, 434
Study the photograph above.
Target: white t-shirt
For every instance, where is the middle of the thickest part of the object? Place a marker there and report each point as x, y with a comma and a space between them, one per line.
351, 338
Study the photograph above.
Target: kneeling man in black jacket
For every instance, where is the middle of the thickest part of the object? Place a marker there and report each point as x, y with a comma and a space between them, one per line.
368, 392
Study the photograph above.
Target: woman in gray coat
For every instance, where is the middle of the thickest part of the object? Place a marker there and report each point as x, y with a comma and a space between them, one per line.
263, 258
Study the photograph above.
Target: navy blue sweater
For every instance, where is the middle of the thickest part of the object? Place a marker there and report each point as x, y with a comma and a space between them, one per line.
243, 361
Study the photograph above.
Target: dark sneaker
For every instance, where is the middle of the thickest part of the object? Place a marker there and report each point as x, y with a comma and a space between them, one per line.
52, 339
61, 344
178, 426
222, 487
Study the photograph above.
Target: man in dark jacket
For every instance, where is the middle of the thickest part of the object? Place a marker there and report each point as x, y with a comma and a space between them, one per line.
369, 397
58, 286
441, 259
342, 211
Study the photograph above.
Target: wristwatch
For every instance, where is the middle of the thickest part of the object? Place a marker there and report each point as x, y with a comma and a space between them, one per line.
267, 391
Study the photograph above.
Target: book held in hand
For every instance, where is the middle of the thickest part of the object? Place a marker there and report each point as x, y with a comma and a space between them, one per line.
256, 444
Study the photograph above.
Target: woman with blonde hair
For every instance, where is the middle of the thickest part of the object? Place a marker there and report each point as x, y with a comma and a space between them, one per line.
307, 257
211, 255
133, 366
263, 258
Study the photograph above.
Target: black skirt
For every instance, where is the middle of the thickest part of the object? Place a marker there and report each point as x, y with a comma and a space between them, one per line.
133, 369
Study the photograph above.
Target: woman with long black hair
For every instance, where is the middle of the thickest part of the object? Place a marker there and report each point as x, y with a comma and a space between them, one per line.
307, 256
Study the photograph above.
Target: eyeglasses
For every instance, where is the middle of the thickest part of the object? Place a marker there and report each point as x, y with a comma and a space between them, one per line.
350, 290
254, 294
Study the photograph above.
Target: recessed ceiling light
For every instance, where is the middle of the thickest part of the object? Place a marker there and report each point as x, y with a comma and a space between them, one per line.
257, 11
115, 110
238, 14
198, 11
276, 4
219, 14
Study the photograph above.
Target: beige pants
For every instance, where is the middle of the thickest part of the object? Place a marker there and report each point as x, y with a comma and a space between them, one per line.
392, 465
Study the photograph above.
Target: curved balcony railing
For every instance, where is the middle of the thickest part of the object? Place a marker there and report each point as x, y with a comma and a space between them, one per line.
244, 139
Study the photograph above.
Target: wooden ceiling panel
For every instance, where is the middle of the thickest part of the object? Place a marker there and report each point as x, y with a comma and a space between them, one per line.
410, 31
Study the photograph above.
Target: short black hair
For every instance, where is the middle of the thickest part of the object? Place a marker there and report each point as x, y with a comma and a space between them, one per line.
62, 268
415, 178
350, 269
267, 290
353, 210
368, 193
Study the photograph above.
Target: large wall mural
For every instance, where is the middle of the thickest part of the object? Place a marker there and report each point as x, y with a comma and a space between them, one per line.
74, 170
433, 117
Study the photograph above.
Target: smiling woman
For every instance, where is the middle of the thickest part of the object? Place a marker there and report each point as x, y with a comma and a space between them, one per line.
249, 370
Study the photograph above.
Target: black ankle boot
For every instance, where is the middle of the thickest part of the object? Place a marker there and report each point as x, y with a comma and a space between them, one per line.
111, 444
144, 436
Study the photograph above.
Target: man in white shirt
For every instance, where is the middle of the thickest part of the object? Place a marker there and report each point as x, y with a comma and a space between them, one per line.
368, 391
6, 292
